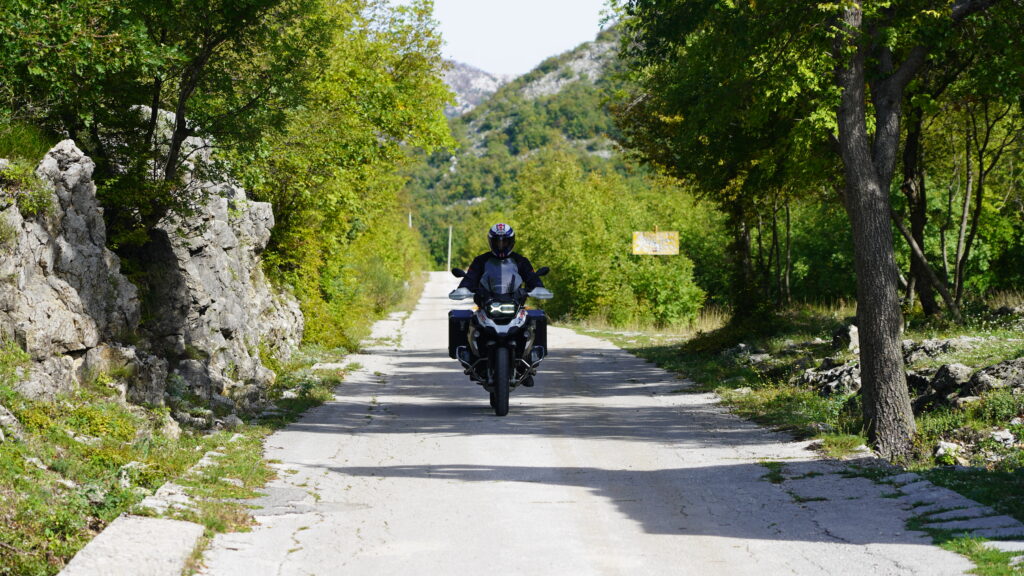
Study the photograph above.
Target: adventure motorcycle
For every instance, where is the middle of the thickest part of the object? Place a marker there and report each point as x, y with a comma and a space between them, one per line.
501, 343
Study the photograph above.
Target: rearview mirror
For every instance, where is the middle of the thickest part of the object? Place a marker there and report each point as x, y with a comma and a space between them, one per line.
458, 272
543, 271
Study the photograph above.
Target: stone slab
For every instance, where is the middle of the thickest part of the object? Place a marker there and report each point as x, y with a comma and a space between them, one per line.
962, 513
978, 523
1015, 532
1004, 546
906, 478
134, 545
917, 488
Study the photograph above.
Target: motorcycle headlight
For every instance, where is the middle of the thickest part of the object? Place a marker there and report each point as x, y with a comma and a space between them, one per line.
501, 309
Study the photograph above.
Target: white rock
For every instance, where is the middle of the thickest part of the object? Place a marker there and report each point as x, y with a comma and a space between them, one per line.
1004, 437
943, 448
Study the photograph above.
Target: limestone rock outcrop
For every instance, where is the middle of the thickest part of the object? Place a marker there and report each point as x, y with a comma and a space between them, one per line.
217, 312
210, 313
61, 289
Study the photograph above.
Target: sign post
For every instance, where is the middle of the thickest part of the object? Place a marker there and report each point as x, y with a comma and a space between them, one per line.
449, 248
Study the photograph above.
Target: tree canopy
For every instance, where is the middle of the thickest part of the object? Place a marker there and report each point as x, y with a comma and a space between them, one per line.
744, 98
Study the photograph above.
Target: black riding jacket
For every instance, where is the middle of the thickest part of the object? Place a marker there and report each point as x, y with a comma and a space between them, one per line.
476, 270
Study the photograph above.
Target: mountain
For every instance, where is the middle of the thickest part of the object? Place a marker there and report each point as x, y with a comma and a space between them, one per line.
560, 104
471, 86
563, 98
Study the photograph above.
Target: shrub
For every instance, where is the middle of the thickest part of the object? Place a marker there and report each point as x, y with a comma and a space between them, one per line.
19, 185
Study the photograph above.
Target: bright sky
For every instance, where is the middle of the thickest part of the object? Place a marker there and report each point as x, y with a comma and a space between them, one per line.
513, 36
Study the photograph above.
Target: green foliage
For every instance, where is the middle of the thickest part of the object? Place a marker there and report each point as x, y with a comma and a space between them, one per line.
23, 141
546, 164
83, 460
739, 99
581, 226
91, 68
65, 57
341, 239
12, 357
998, 407
19, 185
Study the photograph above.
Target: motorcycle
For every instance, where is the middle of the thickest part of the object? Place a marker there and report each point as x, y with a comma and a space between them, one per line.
501, 343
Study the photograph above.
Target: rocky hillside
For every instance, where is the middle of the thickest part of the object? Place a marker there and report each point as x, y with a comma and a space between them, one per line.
561, 103
563, 96
471, 86
195, 340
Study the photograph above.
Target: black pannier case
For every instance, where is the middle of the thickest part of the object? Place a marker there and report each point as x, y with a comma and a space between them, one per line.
458, 328
540, 327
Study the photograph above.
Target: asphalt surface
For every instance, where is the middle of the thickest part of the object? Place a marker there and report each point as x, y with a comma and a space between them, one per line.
602, 468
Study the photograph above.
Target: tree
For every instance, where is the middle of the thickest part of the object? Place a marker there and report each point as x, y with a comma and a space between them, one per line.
232, 72
743, 130
102, 71
340, 237
61, 58
725, 74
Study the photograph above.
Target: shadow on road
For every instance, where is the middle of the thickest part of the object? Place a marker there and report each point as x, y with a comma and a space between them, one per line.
734, 501
603, 393
610, 395
579, 393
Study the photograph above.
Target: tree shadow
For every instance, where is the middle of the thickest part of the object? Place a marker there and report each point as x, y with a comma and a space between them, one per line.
810, 503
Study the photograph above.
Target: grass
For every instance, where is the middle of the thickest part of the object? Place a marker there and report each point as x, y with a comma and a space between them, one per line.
1009, 298
987, 562
774, 474
19, 185
636, 333
1003, 490
86, 457
83, 460
24, 142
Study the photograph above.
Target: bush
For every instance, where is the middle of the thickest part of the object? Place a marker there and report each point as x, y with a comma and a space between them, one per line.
20, 141
19, 185
581, 225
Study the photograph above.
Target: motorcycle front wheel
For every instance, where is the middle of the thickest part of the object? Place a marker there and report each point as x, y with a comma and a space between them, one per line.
502, 376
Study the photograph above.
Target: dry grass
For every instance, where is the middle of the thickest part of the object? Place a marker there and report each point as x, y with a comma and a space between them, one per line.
1010, 298
413, 291
710, 318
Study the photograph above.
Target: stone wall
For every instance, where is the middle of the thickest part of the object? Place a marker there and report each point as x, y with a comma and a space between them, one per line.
210, 312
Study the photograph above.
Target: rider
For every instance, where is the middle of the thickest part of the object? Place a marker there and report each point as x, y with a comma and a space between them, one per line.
501, 238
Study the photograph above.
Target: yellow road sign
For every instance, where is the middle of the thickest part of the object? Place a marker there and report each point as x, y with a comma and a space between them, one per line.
656, 243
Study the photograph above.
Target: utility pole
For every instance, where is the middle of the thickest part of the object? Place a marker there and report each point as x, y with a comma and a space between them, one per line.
410, 219
449, 248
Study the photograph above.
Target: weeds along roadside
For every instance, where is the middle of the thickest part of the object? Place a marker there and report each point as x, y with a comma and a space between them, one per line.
83, 459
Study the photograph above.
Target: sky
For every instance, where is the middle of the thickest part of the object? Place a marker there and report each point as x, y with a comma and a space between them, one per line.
514, 36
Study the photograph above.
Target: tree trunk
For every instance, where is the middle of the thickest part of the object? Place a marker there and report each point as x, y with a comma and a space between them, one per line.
958, 261
917, 202
868, 165
918, 254
744, 297
190, 78
789, 256
775, 260
154, 114
763, 276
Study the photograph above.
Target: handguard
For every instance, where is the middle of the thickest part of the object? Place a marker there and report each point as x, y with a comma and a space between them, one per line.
541, 293
460, 294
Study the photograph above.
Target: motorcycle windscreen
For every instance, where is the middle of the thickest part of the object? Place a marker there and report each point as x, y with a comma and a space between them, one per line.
501, 276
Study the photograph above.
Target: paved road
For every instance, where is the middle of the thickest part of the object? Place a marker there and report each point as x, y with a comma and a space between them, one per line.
599, 469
